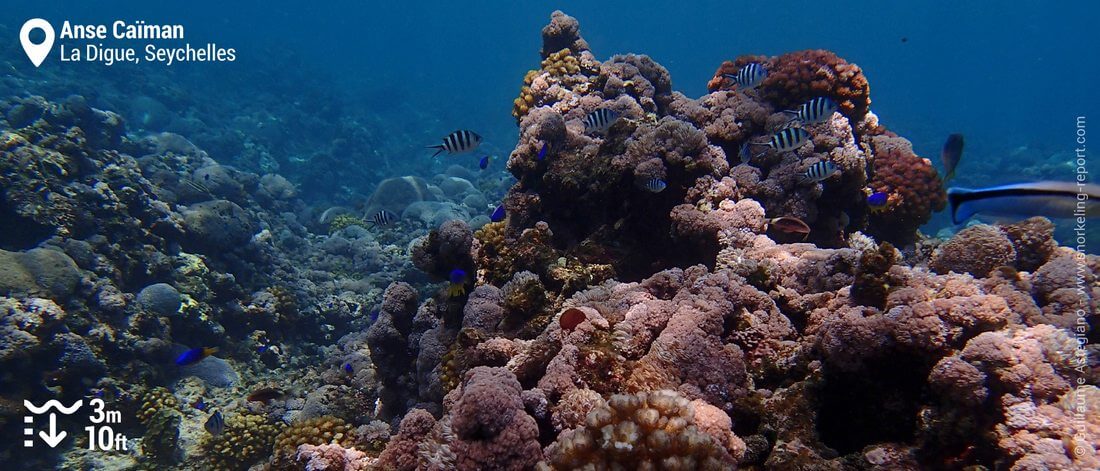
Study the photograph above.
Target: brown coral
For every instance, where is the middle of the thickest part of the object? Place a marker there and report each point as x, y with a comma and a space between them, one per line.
976, 250
913, 185
156, 400
563, 32
313, 431
247, 438
796, 77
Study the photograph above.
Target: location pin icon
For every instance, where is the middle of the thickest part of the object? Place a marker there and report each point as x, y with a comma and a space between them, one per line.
36, 52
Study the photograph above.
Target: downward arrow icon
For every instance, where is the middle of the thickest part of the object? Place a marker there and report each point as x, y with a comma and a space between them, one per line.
54, 437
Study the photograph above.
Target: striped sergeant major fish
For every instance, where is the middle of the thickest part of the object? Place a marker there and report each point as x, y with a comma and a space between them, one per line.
655, 185
600, 120
749, 76
788, 139
458, 142
820, 171
784, 140
817, 110
383, 218
1050, 199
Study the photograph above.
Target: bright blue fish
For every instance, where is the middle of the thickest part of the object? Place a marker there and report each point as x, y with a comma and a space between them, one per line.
347, 368
483, 163
498, 214
458, 283
458, 275
195, 355
545, 148
655, 185
1021, 200
877, 201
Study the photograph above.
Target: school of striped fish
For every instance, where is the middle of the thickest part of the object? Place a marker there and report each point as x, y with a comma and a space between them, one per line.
1052, 199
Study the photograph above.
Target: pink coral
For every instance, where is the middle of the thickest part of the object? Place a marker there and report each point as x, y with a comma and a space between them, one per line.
401, 451
492, 431
796, 77
1019, 362
332, 457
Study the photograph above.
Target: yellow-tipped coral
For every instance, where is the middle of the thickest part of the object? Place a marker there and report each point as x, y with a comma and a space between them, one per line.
654, 430
247, 438
344, 220
153, 401
315, 431
562, 67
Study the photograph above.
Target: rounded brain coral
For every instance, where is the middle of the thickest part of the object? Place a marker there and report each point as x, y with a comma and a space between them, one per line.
976, 250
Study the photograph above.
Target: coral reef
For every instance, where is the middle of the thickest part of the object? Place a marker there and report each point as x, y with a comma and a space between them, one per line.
153, 402
331, 457
835, 353
634, 304
485, 427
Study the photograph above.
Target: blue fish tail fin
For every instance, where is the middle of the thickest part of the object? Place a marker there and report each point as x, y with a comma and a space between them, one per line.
956, 197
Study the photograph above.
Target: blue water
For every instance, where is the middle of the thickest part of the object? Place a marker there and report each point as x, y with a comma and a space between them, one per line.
1011, 78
